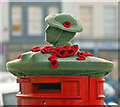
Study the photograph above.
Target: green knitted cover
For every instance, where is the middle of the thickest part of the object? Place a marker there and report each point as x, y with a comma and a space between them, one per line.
37, 63
61, 29
57, 19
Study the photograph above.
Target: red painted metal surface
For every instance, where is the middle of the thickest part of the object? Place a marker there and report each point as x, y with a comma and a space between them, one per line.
60, 90
96, 96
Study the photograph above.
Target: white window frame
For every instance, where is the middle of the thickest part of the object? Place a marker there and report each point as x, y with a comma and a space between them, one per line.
29, 34
112, 6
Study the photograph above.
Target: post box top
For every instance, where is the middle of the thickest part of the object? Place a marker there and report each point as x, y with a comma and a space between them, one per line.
62, 58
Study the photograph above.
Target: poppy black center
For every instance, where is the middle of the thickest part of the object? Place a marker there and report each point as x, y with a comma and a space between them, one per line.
55, 53
65, 47
75, 47
45, 50
57, 50
81, 53
70, 51
61, 52
53, 63
67, 23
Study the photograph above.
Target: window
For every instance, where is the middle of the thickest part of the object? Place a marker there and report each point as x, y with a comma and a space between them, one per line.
27, 20
86, 20
34, 20
16, 19
110, 17
53, 9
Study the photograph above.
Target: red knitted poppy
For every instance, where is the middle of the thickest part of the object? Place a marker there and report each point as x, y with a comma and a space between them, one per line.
70, 52
66, 23
54, 53
19, 57
90, 54
81, 57
53, 63
35, 49
57, 48
75, 47
48, 48
44, 50
60, 47
86, 53
81, 53
66, 47
52, 57
62, 53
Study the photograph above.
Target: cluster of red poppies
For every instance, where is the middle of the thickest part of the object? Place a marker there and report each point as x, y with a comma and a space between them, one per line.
82, 55
61, 51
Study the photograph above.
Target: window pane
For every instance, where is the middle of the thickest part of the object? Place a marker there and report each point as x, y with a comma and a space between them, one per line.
16, 19
53, 9
110, 27
34, 20
86, 20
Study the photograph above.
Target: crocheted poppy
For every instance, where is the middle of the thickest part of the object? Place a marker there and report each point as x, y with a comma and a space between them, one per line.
86, 53
66, 23
81, 53
62, 53
19, 57
57, 48
60, 47
54, 53
90, 54
48, 48
70, 52
43, 50
35, 49
53, 63
66, 47
75, 47
81, 57
52, 57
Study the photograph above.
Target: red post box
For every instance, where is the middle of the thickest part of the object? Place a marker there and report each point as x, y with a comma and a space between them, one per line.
60, 90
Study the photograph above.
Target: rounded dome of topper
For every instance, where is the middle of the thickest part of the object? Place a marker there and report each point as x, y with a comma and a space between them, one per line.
59, 21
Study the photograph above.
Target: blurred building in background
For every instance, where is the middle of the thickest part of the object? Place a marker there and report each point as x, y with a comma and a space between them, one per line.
23, 28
